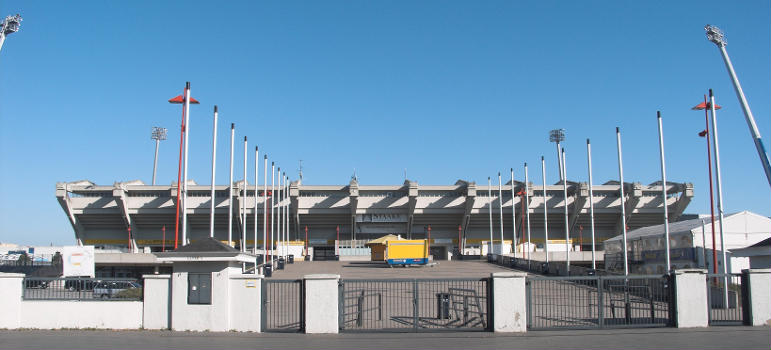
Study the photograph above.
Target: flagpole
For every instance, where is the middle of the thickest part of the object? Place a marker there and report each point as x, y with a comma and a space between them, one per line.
545, 214
527, 214
256, 191
265, 210
591, 199
664, 189
500, 208
230, 186
279, 218
213, 173
490, 214
184, 174
514, 218
567, 224
718, 180
622, 197
243, 203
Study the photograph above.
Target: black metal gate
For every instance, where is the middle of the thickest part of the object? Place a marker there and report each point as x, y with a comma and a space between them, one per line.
283, 307
414, 305
725, 299
580, 302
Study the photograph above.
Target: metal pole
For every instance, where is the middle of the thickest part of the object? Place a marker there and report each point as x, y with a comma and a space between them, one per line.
287, 211
265, 209
490, 213
230, 186
718, 180
704, 244
622, 196
527, 213
179, 175
272, 208
500, 207
256, 193
711, 185
567, 221
213, 172
155, 159
664, 189
591, 200
243, 203
279, 218
514, 218
184, 183
545, 211
716, 36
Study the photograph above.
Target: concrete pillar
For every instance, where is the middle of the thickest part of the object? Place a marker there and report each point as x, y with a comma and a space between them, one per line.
321, 303
246, 303
759, 291
157, 302
10, 294
509, 302
691, 298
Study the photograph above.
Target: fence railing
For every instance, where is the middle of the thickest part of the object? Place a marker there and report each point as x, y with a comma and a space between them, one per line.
725, 299
599, 301
112, 289
283, 305
414, 305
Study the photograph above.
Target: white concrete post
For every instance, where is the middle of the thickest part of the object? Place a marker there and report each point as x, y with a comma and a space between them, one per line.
691, 298
760, 299
321, 303
157, 302
10, 294
246, 290
509, 302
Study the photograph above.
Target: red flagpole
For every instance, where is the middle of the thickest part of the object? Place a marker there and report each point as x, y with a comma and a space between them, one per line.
129, 238
179, 174
163, 248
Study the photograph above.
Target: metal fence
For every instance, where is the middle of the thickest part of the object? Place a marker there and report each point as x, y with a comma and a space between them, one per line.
113, 289
414, 305
599, 301
724, 295
283, 305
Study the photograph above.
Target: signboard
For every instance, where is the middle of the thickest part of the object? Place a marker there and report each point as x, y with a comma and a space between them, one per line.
78, 261
381, 218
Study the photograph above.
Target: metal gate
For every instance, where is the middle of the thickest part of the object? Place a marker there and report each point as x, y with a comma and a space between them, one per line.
599, 301
414, 305
283, 308
724, 299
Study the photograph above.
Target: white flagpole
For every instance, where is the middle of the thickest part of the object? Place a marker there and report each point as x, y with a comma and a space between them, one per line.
545, 209
591, 200
243, 203
500, 208
490, 213
514, 218
213, 171
272, 209
230, 186
622, 197
279, 218
664, 189
256, 192
184, 184
567, 222
527, 213
718, 187
265, 211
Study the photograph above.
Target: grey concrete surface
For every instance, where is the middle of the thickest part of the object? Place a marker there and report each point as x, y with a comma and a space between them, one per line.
658, 338
380, 270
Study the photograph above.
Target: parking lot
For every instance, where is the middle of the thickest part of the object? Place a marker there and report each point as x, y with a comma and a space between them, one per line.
381, 270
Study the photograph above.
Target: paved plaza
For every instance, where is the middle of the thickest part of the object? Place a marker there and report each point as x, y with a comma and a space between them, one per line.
658, 338
380, 270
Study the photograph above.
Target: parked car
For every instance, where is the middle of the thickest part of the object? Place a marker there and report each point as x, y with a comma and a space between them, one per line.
113, 289
36, 283
79, 284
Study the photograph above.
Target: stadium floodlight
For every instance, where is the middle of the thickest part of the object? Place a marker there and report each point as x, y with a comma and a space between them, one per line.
158, 134
9, 25
715, 35
557, 136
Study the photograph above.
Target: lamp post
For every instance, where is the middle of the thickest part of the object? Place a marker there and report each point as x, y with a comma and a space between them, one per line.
715, 35
557, 136
158, 134
9, 25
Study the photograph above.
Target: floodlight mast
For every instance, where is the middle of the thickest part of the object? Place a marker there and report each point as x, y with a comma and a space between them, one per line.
158, 134
9, 25
715, 35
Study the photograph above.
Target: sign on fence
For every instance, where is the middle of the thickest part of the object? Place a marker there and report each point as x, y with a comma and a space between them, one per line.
78, 261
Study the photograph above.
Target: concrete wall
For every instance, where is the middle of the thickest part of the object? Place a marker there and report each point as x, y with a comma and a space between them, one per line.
157, 302
691, 298
760, 298
213, 317
321, 303
509, 302
245, 303
10, 294
81, 314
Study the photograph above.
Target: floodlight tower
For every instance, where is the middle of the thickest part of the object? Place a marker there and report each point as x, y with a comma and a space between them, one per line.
158, 134
9, 25
715, 35
557, 136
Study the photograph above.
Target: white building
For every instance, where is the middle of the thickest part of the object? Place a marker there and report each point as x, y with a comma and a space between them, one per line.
690, 244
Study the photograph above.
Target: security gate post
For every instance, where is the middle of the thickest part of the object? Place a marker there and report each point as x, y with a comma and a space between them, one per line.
600, 302
415, 306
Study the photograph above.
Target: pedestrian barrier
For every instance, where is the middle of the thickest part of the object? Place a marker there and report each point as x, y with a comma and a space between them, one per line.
282, 305
725, 299
58, 288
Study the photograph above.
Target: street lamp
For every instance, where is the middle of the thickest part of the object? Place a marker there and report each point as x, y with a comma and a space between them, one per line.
158, 134
9, 25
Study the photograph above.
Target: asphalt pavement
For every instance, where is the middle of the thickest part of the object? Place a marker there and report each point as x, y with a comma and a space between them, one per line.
650, 338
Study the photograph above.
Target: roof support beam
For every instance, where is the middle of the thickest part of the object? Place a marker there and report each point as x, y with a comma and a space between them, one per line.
353, 195
63, 197
471, 194
119, 193
682, 201
294, 198
634, 194
412, 202
580, 198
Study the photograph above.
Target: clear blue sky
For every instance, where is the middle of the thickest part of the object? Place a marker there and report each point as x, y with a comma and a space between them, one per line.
448, 90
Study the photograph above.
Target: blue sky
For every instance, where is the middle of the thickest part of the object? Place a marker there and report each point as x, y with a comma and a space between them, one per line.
448, 90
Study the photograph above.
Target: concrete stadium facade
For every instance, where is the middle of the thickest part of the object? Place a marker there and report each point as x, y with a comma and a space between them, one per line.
101, 215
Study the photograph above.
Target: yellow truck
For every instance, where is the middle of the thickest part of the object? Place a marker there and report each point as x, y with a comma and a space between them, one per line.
406, 252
